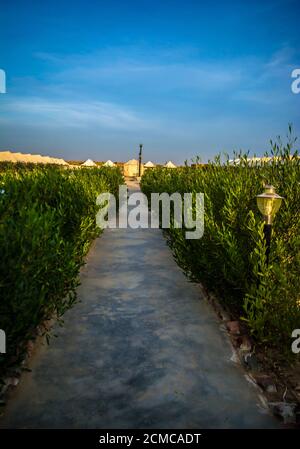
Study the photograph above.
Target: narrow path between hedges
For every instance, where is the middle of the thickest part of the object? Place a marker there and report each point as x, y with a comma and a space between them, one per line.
142, 349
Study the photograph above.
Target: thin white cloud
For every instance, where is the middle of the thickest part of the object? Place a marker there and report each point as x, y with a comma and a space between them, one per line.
168, 70
162, 69
49, 112
155, 77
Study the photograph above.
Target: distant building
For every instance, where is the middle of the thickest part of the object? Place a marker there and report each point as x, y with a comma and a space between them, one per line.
131, 168
9, 156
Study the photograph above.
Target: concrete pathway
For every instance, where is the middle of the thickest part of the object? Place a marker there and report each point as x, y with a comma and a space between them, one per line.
142, 349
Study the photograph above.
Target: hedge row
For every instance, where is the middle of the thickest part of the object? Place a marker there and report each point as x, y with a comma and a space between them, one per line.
47, 221
230, 258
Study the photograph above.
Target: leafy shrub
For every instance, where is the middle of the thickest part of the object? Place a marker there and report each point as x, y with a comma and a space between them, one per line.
47, 221
230, 257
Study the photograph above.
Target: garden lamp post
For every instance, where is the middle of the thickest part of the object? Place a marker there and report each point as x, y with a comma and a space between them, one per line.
140, 159
268, 204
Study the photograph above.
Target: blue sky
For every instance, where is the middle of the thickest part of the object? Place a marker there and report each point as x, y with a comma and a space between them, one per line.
186, 78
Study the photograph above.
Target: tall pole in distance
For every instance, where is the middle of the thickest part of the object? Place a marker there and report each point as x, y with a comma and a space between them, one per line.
140, 159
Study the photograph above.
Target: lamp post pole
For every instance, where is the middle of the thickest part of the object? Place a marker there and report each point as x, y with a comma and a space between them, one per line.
268, 236
140, 159
268, 203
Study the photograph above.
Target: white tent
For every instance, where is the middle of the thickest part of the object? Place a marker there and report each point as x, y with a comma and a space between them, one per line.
170, 165
109, 163
131, 168
89, 163
149, 164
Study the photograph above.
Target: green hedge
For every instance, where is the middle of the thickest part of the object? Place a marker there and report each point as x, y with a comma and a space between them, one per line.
47, 221
230, 257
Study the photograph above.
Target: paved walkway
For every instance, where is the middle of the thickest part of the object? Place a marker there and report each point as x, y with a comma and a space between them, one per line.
142, 349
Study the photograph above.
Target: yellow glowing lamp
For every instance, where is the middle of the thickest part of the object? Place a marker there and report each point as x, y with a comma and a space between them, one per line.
269, 203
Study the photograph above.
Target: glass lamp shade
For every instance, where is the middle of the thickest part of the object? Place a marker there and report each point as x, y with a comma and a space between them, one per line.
268, 203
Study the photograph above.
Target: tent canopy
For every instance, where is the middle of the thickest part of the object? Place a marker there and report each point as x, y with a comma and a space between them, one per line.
109, 163
149, 164
132, 162
89, 163
170, 164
